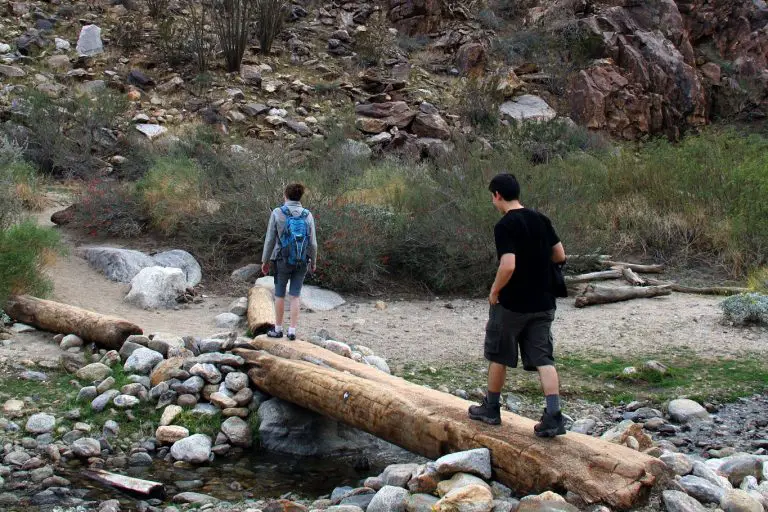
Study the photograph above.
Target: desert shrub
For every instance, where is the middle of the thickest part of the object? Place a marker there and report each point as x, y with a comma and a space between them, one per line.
128, 35
231, 19
746, 308
111, 208
171, 192
478, 101
67, 137
197, 23
158, 9
758, 280
513, 9
20, 181
24, 250
10, 204
270, 17
376, 43
411, 44
172, 40
488, 19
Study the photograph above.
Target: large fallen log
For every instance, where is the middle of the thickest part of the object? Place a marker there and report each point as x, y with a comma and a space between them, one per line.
707, 290
261, 310
137, 486
106, 331
594, 276
593, 295
432, 423
642, 269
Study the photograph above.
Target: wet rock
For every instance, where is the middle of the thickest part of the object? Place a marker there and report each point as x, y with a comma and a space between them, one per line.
194, 449
86, 447
156, 287
676, 501
679, 463
389, 499
169, 434
398, 475
100, 402
701, 489
477, 461
470, 498
458, 481
737, 500
40, 423
683, 410
94, 372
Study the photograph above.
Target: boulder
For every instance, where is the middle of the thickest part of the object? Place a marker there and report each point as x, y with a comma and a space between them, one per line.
527, 108
195, 449
238, 432
40, 423
471, 57
312, 297
169, 434
142, 361
93, 372
228, 321
470, 498
676, 501
737, 500
683, 410
477, 461
701, 489
86, 448
119, 265
420, 502
89, 43
430, 125
249, 272
389, 499
458, 481
680, 463
398, 475
177, 258
414, 17
287, 428
156, 288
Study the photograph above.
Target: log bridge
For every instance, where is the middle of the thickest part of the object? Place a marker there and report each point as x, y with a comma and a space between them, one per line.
433, 423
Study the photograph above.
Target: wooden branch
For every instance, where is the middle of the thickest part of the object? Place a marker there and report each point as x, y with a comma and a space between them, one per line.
594, 276
107, 331
432, 423
132, 485
707, 290
632, 278
604, 295
643, 269
261, 310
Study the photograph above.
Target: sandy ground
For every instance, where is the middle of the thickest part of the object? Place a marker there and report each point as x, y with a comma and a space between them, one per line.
431, 331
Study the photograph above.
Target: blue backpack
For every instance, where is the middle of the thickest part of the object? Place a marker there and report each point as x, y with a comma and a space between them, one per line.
294, 240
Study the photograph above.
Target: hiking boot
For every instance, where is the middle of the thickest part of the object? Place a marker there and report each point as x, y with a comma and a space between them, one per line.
550, 425
272, 333
490, 414
292, 337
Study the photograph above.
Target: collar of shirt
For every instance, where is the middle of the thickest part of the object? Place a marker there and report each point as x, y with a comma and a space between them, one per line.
293, 203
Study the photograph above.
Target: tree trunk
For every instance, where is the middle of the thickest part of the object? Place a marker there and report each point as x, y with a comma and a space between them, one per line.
106, 331
593, 276
707, 290
432, 424
643, 269
604, 295
145, 488
632, 278
261, 310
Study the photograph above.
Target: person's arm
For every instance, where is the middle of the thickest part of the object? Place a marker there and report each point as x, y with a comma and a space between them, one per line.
312, 242
269, 244
558, 253
503, 275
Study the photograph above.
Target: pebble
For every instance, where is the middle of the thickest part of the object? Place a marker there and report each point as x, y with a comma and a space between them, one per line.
40, 423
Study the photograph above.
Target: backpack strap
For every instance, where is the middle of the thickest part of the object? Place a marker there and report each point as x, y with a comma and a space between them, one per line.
286, 211
304, 213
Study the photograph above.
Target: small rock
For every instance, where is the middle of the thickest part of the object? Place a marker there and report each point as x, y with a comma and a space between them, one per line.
11, 72
683, 410
100, 402
194, 449
94, 372
236, 381
142, 360
477, 461
71, 341
676, 501
125, 401
222, 401
737, 500
206, 371
40, 423
239, 306
152, 131
227, 321
584, 426
87, 394
470, 498
169, 434
170, 413
459, 480
238, 432
86, 448
195, 498
389, 499
679, 463
89, 43
13, 408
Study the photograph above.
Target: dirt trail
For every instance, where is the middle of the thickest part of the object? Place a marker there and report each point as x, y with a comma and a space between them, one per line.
435, 331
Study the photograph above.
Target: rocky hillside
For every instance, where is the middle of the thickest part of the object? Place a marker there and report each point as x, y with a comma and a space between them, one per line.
404, 73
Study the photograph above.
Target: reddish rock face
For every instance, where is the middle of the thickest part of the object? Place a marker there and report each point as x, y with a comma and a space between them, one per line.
415, 16
470, 57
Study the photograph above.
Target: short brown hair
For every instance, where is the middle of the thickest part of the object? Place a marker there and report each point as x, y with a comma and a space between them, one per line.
294, 191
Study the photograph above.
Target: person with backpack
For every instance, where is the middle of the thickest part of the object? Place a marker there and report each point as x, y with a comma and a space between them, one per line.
522, 305
290, 244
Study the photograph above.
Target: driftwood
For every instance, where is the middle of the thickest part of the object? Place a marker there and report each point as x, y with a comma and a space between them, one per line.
432, 423
593, 276
107, 331
708, 290
593, 295
129, 484
261, 310
643, 269
632, 278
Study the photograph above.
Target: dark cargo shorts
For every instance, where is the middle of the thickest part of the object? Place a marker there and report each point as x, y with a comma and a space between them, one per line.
285, 273
506, 330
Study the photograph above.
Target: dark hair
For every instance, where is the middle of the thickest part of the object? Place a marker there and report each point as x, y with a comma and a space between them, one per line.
294, 191
505, 184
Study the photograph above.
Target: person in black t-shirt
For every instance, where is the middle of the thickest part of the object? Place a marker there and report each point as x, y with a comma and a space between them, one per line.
522, 305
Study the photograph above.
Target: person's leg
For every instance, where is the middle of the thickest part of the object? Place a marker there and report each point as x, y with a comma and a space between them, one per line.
550, 384
497, 373
295, 303
281, 283
279, 311
294, 292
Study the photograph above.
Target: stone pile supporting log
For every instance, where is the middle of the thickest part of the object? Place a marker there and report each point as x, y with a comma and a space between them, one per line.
261, 310
432, 423
106, 331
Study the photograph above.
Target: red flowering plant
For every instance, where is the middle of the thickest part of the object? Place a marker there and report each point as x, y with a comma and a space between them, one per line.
110, 208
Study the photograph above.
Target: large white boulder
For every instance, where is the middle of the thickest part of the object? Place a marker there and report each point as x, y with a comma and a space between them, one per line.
527, 108
89, 43
156, 287
122, 265
177, 258
312, 297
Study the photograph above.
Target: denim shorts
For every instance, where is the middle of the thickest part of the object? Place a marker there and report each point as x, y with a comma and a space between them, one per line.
508, 333
285, 273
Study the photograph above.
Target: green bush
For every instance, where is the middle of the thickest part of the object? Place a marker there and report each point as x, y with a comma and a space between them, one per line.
24, 250
746, 308
270, 17
111, 208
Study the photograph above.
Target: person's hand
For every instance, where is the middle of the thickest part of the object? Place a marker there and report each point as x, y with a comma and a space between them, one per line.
265, 268
493, 298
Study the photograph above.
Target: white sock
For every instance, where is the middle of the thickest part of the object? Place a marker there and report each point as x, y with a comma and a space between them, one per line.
278, 328
292, 330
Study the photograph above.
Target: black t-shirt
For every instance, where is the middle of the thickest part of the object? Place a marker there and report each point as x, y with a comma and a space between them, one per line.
528, 235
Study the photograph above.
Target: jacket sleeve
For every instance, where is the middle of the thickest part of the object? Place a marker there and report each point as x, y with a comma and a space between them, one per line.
312, 239
269, 239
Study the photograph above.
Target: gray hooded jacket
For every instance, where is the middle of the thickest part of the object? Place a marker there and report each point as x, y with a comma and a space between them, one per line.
276, 227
